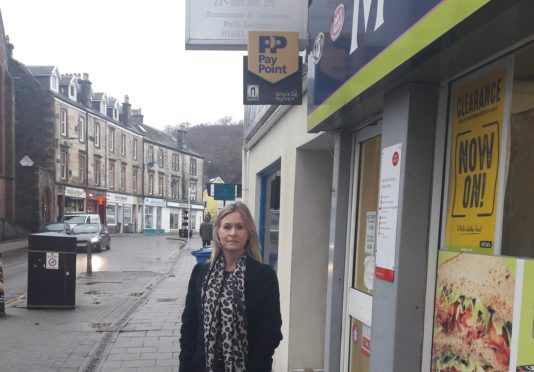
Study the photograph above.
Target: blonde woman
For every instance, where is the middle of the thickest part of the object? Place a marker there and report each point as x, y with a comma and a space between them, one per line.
231, 321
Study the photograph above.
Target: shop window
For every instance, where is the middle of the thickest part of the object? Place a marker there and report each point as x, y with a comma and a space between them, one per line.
173, 222
158, 218
269, 221
127, 213
149, 217
111, 214
490, 160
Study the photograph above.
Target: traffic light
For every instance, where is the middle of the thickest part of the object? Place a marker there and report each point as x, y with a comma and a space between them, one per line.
185, 218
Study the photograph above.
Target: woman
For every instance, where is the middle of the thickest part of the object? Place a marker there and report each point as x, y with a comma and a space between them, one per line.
231, 320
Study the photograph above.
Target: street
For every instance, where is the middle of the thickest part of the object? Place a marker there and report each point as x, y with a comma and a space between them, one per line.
137, 289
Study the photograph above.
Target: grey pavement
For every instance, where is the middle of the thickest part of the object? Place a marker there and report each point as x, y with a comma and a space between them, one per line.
123, 321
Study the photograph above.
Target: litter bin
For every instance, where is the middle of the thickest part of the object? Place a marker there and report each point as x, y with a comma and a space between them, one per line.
51, 271
202, 255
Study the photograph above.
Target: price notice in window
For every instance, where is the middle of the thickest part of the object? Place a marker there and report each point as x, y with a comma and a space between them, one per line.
477, 117
388, 208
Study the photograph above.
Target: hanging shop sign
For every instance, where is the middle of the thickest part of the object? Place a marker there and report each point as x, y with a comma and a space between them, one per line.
224, 24
356, 43
73, 192
388, 210
272, 72
477, 124
484, 313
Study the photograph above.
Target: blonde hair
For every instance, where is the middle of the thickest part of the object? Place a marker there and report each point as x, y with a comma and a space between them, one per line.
252, 246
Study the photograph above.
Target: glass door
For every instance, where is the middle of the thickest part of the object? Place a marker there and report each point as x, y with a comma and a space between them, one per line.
361, 259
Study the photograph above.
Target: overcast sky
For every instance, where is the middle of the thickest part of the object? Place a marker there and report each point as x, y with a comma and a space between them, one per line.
129, 47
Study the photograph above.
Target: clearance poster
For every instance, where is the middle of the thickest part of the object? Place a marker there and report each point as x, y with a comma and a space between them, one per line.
477, 119
483, 313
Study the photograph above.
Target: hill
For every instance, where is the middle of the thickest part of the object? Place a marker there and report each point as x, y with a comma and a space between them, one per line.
221, 145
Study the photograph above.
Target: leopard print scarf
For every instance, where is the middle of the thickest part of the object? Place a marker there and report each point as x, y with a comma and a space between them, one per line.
224, 316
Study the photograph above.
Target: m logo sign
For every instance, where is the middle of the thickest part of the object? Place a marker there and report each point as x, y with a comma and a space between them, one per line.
273, 56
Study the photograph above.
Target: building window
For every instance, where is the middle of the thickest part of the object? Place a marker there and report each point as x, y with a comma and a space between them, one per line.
135, 148
123, 177
150, 184
63, 165
111, 132
97, 172
111, 176
193, 190
193, 169
97, 135
175, 162
160, 158
81, 129
134, 180
175, 182
81, 168
72, 93
123, 144
151, 153
160, 185
63, 124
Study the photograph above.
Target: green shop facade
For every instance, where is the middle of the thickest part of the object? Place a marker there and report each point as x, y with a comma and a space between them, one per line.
430, 104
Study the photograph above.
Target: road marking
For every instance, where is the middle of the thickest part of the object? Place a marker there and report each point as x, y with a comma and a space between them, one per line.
13, 301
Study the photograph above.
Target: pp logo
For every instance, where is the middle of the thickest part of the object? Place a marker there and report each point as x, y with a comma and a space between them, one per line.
272, 43
253, 92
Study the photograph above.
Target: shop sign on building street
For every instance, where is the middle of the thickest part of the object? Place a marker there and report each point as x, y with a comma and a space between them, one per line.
273, 69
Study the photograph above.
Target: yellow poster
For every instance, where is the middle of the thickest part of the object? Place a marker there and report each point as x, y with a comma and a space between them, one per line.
477, 117
525, 353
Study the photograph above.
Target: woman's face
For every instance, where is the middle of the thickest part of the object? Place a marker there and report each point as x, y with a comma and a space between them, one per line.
233, 233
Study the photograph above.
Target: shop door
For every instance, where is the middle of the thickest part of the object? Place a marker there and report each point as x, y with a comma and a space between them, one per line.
361, 255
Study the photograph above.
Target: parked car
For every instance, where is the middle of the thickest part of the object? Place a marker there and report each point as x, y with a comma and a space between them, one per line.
74, 219
57, 227
94, 235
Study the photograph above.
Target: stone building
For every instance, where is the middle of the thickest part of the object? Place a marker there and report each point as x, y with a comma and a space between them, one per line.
7, 136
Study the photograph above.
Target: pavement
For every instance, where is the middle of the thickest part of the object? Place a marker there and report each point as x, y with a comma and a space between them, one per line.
123, 321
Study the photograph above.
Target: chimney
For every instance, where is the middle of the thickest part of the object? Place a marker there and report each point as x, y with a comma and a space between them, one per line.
137, 117
180, 135
10, 48
126, 111
85, 97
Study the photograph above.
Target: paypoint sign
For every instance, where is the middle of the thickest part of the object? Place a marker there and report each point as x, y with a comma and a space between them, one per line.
272, 71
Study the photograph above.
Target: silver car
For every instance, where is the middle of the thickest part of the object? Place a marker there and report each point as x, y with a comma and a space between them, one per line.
93, 235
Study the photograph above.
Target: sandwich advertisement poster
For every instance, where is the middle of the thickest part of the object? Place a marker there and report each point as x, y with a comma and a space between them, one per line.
477, 118
484, 314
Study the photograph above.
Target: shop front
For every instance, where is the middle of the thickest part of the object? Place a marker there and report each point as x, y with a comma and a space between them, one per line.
120, 213
96, 203
74, 200
430, 239
153, 215
173, 216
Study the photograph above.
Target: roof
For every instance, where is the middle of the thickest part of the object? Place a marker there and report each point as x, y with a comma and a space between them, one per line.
98, 96
162, 138
41, 70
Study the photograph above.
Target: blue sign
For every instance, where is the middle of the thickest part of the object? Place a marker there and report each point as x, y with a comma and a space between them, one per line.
224, 191
355, 43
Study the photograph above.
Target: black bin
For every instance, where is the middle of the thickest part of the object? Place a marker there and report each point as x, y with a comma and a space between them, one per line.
51, 271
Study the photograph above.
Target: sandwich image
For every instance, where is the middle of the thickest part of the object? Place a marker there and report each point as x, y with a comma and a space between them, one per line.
473, 315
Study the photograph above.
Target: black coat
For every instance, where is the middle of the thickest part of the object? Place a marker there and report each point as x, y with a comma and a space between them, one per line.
262, 302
